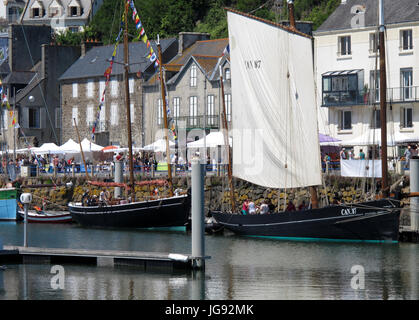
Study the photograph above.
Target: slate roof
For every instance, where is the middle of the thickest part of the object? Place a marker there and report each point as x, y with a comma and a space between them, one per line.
209, 48
97, 60
395, 11
205, 53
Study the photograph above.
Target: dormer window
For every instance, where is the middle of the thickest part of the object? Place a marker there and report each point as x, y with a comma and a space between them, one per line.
55, 9
37, 10
74, 9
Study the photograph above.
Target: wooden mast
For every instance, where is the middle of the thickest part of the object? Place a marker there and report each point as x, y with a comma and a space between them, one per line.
127, 103
383, 103
81, 149
227, 144
166, 133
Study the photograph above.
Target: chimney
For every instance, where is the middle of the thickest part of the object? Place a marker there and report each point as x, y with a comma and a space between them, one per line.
291, 12
186, 39
88, 44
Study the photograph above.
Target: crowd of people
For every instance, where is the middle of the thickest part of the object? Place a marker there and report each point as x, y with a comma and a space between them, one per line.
266, 207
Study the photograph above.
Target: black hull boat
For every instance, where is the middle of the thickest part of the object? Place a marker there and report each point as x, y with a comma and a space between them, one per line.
161, 213
367, 221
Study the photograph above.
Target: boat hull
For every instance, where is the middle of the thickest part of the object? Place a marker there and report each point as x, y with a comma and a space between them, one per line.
47, 217
8, 204
369, 221
168, 212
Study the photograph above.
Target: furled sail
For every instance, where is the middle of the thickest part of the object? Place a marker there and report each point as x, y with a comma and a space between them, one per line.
274, 129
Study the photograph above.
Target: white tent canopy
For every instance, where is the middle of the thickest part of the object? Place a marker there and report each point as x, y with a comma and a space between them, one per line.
88, 146
158, 146
373, 136
47, 148
212, 140
70, 146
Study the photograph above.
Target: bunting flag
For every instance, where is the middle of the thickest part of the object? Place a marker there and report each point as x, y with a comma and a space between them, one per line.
107, 75
142, 35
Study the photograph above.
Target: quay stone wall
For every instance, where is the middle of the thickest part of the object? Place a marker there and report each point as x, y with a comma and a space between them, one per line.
57, 192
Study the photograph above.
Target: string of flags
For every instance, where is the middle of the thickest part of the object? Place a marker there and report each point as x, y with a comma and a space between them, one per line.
5, 102
142, 35
107, 75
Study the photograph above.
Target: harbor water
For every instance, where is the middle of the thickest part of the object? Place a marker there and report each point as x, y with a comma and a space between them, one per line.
239, 268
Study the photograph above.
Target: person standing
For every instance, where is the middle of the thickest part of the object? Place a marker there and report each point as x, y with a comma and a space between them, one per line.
343, 154
361, 155
408, 156
245, 207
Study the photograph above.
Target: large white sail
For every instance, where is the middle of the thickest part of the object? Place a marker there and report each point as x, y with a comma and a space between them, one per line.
274, 130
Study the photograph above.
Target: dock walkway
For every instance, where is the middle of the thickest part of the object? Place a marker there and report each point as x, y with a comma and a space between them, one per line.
141, 260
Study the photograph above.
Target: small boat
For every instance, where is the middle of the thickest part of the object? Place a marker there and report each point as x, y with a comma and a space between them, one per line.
40, 216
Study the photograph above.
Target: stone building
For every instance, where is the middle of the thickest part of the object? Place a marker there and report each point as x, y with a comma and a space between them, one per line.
194, 93
82, 86
31, 86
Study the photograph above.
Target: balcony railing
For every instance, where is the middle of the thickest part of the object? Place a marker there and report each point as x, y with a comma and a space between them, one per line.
357, 97
102, 126
190, 122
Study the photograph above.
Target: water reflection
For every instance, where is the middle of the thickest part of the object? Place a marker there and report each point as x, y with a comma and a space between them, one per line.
240, 268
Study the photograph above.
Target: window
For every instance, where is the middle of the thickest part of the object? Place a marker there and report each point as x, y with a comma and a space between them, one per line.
341, 87
33, 118
58, 117
227, 99
36, 13
75, 115
131, 85
159, 111
344, 44
176, 107
406, 78
114, 114
102, 85
193, 76
406, 40
90, 115
376, 119
210, 110
374, 42
132, 112
114, 88
345, 120
75, 90
102, 114
90, 86
227, 74
5, 112
193, 111
406, 117
73, 29
375, 85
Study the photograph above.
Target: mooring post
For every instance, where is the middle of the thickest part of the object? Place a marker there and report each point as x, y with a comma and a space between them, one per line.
26, 199
119, 178
414, 201
198, 227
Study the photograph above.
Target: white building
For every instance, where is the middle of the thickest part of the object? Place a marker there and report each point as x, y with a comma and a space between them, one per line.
346, 60
61, 15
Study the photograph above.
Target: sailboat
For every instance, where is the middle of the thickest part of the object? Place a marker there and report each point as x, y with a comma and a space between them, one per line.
276, 142
172, 211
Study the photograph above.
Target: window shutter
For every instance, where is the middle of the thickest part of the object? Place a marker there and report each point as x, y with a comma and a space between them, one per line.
42, 118
25, 117
402, 122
